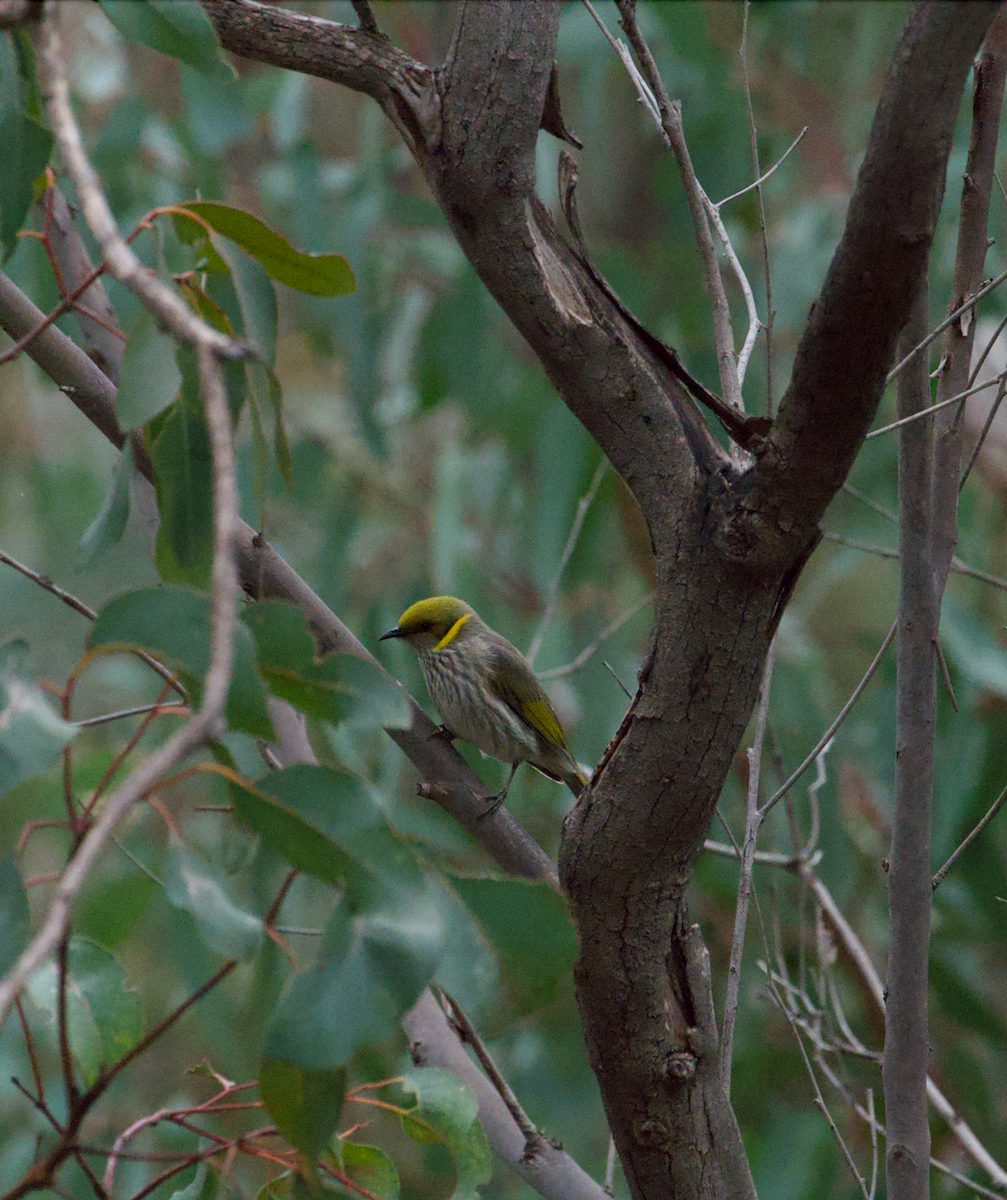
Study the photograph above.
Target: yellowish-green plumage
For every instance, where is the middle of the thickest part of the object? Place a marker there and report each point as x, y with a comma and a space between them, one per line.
485, 689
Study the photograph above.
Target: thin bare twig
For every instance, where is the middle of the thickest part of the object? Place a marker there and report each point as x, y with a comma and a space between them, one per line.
991, 342
753, 822
840, 718
592, 648
971, 302
80, 607
957, 565
466, 1031
770, 858
669, 121
105, 718
762, 178
865, 499
933, 408
994, 808
552, 599
987, 425
764, 234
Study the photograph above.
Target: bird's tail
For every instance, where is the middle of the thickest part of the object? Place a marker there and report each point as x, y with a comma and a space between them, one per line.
569, 773
575, 779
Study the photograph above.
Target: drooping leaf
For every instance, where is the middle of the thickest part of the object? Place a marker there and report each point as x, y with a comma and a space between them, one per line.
107, 527
14, 915
27, 147
529, 925
377, 956
150, 375
256, 296
264, 390
104, 1018
32, 736
295, 836
469, 967
305, 1104
371, 1168
183, 465
179, 28
317, 274
447, 1111
190, 883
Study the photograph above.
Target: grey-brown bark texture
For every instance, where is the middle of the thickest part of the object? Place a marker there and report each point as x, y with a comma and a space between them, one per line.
729, 541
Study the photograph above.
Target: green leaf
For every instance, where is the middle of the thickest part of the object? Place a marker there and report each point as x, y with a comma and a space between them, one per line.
317, 274
191, 884
290, 834
150, 375
529, 925
264, 389
468, 968
371, 1168
376, 958
179, 28
304, 1104
173, 623
14, 916
328, 825
333, 688
183, 465
203, 303
256, 298
203, 1185
343, 811
287, 659
26, 148
32, 736
106, 529
374, 699
104, 1019
447, 1111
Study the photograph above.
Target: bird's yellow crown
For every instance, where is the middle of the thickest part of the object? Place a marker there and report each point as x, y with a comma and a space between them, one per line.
438, 618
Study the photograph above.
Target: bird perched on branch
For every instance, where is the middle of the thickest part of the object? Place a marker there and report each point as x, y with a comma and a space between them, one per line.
486, 691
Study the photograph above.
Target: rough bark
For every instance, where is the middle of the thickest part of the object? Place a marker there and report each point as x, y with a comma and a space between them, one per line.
729, 541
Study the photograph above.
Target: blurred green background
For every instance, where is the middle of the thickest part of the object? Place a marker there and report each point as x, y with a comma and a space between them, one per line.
431, 455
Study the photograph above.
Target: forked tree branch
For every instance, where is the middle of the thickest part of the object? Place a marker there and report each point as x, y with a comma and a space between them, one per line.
848, 344
729, 544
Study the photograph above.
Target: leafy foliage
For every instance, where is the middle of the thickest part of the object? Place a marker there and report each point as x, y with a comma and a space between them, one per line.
413, 448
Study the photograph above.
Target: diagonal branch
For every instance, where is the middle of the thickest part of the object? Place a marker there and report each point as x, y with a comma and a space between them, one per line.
264, 573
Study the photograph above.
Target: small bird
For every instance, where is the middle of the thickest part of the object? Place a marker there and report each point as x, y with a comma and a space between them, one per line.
486, 691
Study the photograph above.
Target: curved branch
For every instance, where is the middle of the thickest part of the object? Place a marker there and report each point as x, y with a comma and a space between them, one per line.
360, 59
847, 347
472, 127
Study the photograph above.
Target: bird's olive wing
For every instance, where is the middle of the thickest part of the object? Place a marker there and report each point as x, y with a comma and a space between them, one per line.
517, 686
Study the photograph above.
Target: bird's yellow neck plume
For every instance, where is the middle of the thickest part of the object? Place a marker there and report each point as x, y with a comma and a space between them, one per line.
452, 633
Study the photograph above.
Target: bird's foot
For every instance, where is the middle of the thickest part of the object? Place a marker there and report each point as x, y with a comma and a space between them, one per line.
492, 804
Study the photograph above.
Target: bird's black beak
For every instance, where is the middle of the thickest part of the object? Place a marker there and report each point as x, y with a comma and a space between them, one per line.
396, 632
